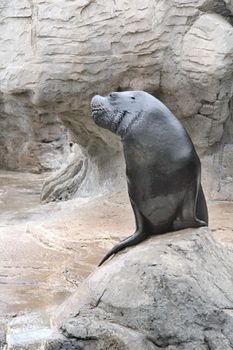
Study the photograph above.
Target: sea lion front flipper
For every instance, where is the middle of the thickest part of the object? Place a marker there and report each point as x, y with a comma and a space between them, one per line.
136, 238
201, 207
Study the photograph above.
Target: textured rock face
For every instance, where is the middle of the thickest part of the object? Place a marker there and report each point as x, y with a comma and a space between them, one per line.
65, 183
170, 292
63, 52
30, 140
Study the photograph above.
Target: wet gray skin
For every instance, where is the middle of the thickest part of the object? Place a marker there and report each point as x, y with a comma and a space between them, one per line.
162, 167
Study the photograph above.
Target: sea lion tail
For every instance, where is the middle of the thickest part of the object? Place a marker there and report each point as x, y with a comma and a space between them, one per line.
136, 238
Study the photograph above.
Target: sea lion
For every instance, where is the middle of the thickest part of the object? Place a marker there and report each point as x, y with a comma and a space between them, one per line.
162, 167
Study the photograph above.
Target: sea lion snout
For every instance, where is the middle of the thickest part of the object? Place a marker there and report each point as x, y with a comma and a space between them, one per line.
100, 110
97, 102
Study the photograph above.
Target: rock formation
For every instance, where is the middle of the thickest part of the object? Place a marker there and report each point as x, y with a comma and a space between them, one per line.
65, 183
173, 291
55, 55
30, 140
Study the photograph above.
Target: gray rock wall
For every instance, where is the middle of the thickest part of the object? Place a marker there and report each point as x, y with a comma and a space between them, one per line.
55, 55
30, 139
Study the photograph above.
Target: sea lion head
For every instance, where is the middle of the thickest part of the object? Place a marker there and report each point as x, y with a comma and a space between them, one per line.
118, 110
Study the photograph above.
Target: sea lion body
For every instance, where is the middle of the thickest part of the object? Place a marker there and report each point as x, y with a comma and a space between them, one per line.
162, 167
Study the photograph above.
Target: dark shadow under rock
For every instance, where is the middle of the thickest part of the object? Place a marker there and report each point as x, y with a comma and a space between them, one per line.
173, 291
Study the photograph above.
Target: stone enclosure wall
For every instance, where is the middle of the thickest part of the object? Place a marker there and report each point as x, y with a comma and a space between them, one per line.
56, 54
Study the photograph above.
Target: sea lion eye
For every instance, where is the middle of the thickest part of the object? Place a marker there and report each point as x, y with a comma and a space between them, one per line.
113, 95
132, 98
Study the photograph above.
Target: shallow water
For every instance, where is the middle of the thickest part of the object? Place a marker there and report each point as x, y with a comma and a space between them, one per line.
19, 197
46, 249
29, 275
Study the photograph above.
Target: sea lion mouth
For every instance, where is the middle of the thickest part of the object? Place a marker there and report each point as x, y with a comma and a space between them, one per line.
106, 116
97, 112
116, 126
100, 116
98, 108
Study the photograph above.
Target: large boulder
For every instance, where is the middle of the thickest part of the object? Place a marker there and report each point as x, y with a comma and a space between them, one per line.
173, 291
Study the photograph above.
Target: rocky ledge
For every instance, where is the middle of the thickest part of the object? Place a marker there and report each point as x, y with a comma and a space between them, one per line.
173, 291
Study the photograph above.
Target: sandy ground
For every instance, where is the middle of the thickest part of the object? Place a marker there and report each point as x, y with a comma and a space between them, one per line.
47, 250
